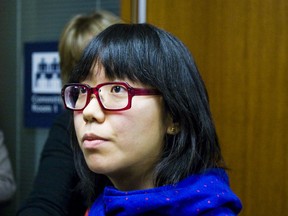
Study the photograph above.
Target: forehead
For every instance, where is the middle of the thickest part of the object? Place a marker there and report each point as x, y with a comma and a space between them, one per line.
97, 72
110, 72
98, 75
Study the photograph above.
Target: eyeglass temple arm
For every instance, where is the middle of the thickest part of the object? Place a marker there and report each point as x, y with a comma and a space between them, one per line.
138, 91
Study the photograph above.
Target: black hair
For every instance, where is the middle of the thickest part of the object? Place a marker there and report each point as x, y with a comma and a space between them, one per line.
154, 57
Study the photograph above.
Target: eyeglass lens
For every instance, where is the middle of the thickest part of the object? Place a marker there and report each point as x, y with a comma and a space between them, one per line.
111, 96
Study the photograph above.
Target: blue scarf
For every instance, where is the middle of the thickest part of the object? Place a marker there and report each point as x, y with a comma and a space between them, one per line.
203, 194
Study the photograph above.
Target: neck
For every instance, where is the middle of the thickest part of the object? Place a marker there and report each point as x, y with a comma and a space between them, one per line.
128, 182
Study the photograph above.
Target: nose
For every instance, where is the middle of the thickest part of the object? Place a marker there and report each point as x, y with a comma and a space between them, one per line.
93, 111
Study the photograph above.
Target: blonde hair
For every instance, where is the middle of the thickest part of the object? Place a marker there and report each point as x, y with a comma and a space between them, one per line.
77, 33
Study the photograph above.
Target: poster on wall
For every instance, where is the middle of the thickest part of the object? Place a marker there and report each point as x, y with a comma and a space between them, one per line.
42, 84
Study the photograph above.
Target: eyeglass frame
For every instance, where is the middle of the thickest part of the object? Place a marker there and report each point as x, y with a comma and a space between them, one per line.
94, 90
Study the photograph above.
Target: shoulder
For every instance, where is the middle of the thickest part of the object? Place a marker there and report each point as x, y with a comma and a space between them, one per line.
209, 176
61, 124
58, 140
210, 192
63, 118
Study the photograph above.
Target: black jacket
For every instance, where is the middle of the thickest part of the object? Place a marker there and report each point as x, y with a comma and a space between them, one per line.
54, 190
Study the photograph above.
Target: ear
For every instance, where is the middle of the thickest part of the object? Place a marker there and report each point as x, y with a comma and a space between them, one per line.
173, 127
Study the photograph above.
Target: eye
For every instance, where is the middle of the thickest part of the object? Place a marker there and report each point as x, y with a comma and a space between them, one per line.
118, 89
82, 90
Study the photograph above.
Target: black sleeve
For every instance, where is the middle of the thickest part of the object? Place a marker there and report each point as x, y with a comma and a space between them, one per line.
54, 190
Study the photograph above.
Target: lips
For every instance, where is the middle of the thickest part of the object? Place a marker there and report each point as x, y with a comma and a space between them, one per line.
92, 141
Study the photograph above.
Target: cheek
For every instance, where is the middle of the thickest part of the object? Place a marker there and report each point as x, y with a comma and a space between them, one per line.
146, 121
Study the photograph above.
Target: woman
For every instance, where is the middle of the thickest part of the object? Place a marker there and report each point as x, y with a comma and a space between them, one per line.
145, 142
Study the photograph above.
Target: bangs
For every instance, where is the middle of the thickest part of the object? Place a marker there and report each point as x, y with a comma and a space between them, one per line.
118, 62
125, 53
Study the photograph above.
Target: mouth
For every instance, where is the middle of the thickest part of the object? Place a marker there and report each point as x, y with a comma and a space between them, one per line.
92, 141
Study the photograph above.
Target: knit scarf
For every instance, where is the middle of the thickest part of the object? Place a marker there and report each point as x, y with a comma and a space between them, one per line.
207, 193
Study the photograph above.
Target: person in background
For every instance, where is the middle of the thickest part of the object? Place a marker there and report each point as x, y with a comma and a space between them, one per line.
7, 182
55, 189
143, 135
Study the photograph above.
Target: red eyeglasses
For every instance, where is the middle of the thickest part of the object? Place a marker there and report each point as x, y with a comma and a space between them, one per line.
112, 96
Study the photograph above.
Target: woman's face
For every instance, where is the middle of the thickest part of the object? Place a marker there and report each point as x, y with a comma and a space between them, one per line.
123, 145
